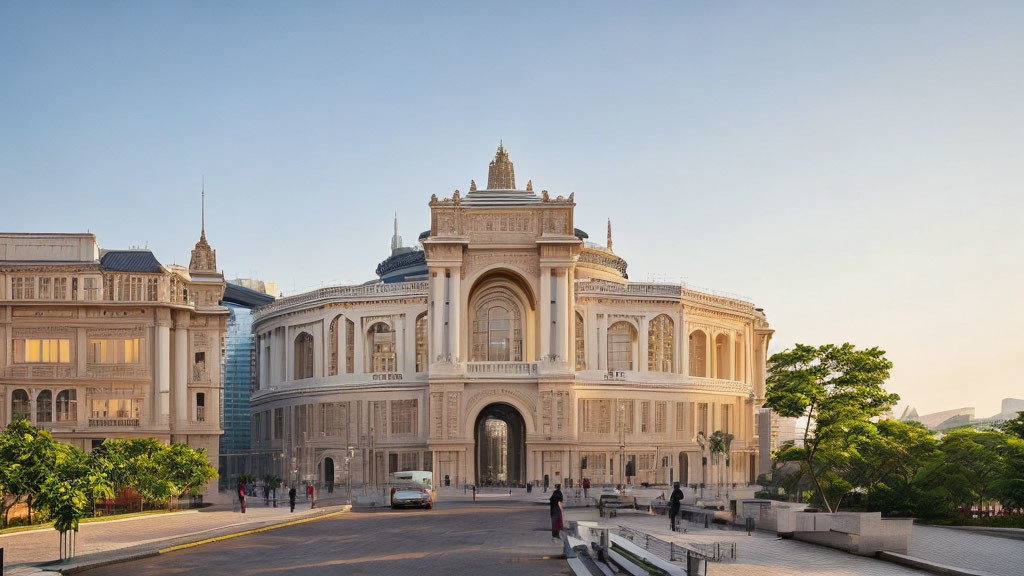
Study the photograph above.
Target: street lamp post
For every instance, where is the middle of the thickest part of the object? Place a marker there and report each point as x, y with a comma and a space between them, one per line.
702, 442
622, 447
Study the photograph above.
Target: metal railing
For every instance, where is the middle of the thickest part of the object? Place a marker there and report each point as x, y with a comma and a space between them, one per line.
712, 551
104, 422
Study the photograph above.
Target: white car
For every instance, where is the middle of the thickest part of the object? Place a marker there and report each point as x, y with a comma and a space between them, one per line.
411, 497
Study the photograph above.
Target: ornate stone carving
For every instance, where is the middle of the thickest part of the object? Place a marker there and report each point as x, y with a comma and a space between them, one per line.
452, 413
524, 262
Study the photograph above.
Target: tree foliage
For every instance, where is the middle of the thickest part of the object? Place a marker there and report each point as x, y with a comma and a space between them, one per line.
838, 389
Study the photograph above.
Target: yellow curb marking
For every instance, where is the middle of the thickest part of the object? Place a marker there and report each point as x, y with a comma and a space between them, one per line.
247, 532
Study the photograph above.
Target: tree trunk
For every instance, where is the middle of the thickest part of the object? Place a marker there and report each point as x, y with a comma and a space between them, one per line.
29, 501
821, 493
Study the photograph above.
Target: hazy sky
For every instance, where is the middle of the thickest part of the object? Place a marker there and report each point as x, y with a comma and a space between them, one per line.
856, 169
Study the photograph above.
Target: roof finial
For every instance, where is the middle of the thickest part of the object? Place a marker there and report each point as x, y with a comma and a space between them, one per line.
203, 210
501, 174
609, 234
529, 185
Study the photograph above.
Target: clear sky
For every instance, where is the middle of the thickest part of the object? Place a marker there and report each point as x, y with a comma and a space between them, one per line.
856, 169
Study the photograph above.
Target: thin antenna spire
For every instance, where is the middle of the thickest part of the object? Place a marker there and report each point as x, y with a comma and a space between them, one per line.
204, 206
609, 234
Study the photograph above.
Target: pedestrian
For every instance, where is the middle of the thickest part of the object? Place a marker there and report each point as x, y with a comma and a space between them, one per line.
555, 501
586, 487
675, 501
241, 495
309, 491
291, 498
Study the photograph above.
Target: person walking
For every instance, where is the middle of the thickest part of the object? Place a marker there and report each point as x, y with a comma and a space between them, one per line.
291, 498
241, 495
555, 502
675, 501
586, 487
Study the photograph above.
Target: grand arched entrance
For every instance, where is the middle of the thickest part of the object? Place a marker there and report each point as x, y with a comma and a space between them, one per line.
500, 436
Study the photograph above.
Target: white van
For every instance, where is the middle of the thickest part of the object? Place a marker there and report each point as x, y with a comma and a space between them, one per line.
421, 478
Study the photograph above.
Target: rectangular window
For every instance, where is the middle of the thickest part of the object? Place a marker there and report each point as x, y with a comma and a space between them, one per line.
108, 287
45, 288
67, 406
89, 289
333, 419
680, 416
113, 351
660, 417
23, 288
136, 289
60, 288
119, 408
645, 417
152, 289
200, 407
726, 420
278, 423
403, 417
597, 416
42, 351
409, 460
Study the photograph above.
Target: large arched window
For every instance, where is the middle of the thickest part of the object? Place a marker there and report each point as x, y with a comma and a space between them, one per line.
698, 354
497, 331
722, 357
67, 406
382, 348
44, 406
20, 409
422, 361
660, 343
621, 337
303, 358
581, 358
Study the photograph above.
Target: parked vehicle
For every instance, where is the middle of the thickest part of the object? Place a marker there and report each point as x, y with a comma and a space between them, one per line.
411, 497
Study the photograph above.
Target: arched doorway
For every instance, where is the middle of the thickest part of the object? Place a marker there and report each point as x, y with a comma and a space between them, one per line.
500, 435
684, 469
329, 474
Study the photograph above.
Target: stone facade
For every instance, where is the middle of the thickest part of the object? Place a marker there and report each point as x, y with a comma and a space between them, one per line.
109, 345
526, 354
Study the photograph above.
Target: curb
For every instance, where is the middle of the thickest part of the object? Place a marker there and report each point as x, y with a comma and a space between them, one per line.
929, 566
149, 550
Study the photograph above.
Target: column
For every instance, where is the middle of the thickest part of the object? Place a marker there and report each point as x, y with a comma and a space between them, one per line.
682, 344
162, 362
602, 343
562, 310
358, 354
454, 313
545, 312
643, 337
436, 314
181, 371
399, 343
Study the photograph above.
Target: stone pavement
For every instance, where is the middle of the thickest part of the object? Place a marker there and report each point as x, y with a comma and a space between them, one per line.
24, 552
966, 549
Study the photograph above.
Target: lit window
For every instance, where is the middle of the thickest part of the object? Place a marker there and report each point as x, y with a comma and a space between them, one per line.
114, 351
45, 351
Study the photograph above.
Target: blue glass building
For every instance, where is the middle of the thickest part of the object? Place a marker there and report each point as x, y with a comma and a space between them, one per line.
238, 380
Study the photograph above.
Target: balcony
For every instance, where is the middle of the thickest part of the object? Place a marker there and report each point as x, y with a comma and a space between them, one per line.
503, 370
113, 422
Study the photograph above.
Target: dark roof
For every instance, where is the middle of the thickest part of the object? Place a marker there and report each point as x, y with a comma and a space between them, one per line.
580, 234
416, 258
141, 261
243, 296
424, 235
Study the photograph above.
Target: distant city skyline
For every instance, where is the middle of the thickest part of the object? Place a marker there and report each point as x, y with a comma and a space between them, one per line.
854, 170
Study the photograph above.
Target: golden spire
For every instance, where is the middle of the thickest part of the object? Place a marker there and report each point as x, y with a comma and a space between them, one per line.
501, 175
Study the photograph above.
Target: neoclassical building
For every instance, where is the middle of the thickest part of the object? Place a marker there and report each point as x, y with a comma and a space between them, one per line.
506, 349
110, 344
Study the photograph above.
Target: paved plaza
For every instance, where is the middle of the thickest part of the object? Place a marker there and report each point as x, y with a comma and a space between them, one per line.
499, 533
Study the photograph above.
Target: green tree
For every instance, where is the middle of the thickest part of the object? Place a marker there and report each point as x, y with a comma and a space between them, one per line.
969, 467
1013, 426
838, 389
132, 463
187, 469
27, 455
70, 490
1009, 488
